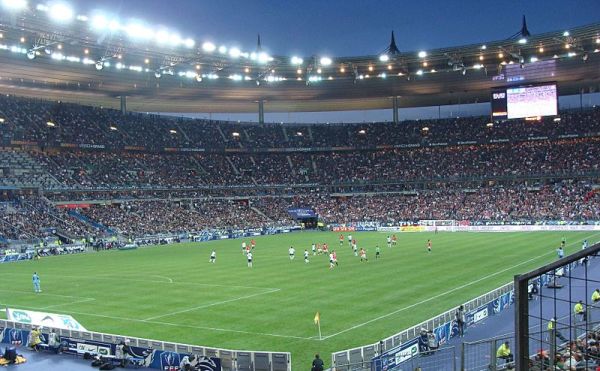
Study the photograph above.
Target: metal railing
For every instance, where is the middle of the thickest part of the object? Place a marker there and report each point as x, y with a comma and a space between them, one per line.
231, 360
365, 353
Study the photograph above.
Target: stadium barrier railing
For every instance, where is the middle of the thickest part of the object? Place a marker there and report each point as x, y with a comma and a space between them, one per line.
364, 354
158, 354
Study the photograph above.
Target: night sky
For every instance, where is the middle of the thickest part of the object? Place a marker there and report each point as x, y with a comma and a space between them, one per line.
349, 27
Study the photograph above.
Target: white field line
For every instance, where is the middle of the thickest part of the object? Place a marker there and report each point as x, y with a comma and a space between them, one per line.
448, 292
120, 278
179, 325
85, 300
45, 294
165, 277
210, 305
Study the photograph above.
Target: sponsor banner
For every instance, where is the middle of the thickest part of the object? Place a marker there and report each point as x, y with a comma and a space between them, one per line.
167, 361
341, 228
392, 358
74, 206
23, 143
93, 146
29, 317
68, 145
512, 228
15, 257
134, 148
480, 315
388, 229
466, 142
412, 228
301, 213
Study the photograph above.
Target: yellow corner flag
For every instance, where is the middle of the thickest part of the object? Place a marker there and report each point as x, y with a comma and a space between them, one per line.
317, 319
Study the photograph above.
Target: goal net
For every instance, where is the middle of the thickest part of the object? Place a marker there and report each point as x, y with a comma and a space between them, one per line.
441, 224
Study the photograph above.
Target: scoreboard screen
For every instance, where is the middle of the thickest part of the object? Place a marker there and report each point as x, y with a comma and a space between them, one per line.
524, 101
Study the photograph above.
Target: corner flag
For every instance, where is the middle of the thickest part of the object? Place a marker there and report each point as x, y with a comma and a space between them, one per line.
318, 322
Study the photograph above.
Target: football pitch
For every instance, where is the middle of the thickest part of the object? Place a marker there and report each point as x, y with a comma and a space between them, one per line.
173, 293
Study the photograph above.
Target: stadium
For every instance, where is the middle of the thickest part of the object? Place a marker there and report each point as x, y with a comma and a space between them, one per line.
178, 202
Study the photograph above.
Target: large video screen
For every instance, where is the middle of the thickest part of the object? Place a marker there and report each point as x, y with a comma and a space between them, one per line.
525, 101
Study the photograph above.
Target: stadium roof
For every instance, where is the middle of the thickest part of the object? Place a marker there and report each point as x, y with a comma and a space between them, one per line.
74, 62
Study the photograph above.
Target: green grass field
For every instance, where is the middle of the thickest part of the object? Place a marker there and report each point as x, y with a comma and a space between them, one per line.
172, 293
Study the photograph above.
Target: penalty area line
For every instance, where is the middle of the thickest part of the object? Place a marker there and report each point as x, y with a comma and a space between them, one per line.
210, 305
447, 292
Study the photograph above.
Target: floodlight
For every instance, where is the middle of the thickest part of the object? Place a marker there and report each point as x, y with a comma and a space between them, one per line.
222, 49
14, 5
523, 41
157, 74
263, 57
138, 31
325, 61
419, 72
566, 33
189, 43
384, 58
161, 36
114, 26
533, 59
422, 54
31, 54
208, 47
175, 39
99, 22
99, 65
61, 12
234, 52
297, 60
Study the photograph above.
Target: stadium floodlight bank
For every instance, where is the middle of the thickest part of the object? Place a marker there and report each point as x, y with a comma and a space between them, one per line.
559, 289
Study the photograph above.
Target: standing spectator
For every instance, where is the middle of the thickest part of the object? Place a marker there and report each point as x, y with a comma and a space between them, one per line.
596, 296
317, 363
460, 320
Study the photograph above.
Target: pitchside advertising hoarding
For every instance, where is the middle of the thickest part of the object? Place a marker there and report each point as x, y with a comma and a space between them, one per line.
392, 358
43, 319
138, 356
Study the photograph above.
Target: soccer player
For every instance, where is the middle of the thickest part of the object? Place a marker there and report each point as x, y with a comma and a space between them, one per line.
249, 256
314, 249
389, 241
36, 283
252, 244
292, 252
325, 248
319, 249
563, 241
363, 255
560, 252
331, 261
355, 249
377, 252
306, 256
349, 239
213, 256
584, 245
394, 240
341, 239
248, 248
428, 246
243, 247
334, 257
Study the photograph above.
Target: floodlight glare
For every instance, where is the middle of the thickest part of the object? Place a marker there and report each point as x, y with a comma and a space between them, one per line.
61, 12
222, 49
99, 65
14, 4
157, 74
263, 57
384, 58
189, 43
138, 31
162, 37
325, 61
208, 47
234, 52
99, 22
523, 41
297, 60
422, 54
31, 54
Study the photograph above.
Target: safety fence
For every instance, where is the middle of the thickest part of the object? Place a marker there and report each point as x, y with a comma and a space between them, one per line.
151, 353
443, 326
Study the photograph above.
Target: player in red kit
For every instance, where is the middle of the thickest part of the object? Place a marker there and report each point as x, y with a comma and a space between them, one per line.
252, 244
394, 240
428, 246
341, 239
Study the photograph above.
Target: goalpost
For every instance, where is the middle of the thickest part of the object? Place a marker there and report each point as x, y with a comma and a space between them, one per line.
448, 225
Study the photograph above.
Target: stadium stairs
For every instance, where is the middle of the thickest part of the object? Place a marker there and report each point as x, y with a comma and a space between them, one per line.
84, 219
